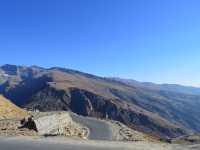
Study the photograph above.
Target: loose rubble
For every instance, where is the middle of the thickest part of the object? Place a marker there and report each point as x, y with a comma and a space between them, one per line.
43, 124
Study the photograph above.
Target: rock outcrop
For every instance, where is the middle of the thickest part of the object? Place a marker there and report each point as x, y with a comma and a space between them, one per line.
55, 124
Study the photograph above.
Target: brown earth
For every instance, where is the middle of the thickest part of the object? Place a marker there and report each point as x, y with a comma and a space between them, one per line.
8, 110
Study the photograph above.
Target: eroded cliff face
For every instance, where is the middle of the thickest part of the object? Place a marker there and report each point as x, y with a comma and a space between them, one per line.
20, 91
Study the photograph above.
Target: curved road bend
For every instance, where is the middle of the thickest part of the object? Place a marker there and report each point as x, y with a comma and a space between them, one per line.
99, 130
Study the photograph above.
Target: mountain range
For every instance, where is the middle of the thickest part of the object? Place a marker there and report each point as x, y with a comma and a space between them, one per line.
162, 87
165, 110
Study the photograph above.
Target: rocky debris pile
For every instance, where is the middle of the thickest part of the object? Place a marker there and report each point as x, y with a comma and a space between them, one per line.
53, 124
43, 124
123, 133
11, 127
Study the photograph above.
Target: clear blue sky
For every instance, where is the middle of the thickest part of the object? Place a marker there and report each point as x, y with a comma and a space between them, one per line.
147, 40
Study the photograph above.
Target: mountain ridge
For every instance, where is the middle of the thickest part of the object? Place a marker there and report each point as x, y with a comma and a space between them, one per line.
158, 112
163, 86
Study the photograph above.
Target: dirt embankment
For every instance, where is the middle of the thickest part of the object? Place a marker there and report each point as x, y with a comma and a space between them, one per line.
9, 111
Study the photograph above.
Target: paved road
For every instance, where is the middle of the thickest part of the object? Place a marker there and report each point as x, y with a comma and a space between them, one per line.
56, 144
69, 144
14, 145
187, 147
99, 130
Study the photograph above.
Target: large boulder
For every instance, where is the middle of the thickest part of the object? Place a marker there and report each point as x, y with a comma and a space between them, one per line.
55, 123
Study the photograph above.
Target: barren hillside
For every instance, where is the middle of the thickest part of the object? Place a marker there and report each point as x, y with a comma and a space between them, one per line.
157, 112
9, 110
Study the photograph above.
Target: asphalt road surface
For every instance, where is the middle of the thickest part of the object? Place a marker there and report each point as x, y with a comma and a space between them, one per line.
22, 143
99, 130
56, 144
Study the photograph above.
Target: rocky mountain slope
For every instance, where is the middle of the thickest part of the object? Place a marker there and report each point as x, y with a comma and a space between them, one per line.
158, 112
161, 87
9, 110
